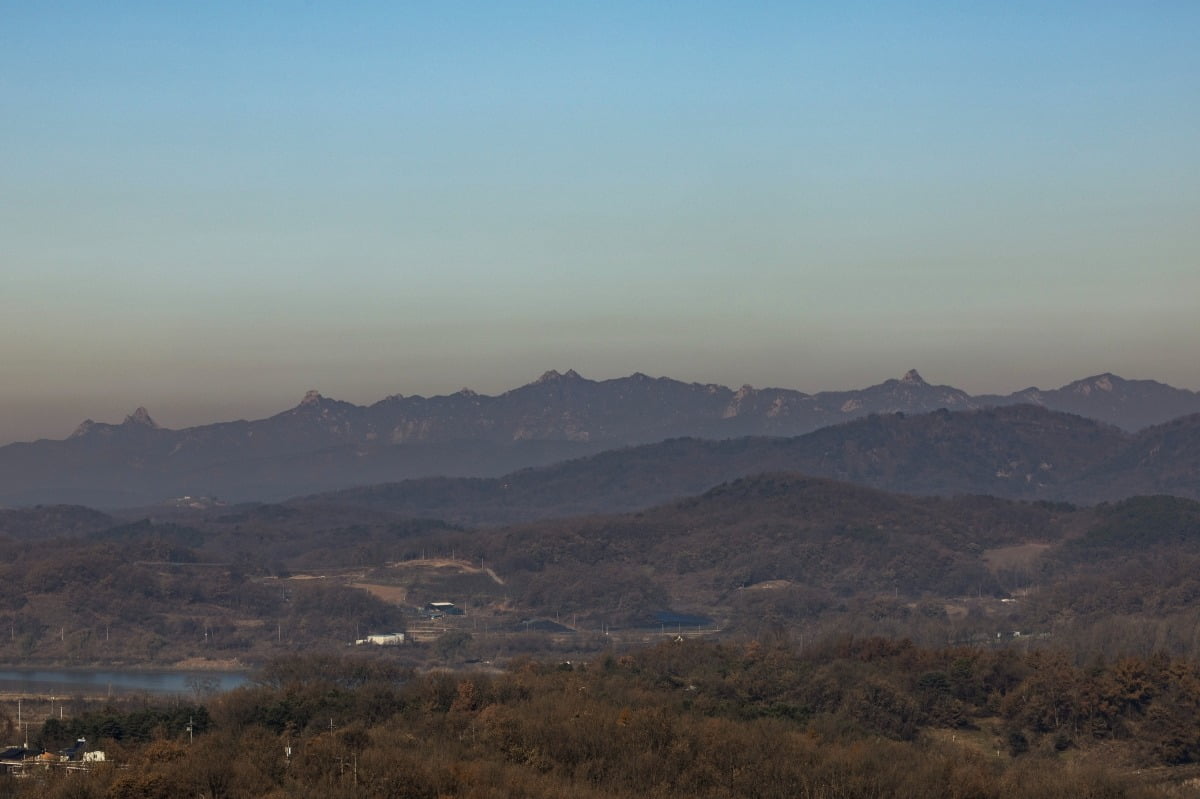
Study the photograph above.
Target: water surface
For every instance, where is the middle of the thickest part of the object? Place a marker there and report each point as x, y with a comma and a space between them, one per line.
90, 682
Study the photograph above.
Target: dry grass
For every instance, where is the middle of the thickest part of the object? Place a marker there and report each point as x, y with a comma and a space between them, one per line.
767, 585
395, 594
1021, 556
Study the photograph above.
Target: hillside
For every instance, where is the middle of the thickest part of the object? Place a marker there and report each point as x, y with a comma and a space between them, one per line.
781, 550
810, 539
43, 522
1164, 459
1019, 452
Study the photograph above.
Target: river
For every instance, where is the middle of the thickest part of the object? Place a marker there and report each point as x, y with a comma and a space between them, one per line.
68, 683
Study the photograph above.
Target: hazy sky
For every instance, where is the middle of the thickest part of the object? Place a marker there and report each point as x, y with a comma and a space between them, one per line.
208, 208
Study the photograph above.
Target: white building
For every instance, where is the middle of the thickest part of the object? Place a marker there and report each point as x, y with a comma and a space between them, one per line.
386, 639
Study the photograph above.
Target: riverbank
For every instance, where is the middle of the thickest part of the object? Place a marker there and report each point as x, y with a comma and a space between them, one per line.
187, 664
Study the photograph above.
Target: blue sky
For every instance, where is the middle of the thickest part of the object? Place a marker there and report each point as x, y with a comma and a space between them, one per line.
208, 210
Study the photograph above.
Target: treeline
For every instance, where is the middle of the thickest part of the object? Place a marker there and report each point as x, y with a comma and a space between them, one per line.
128, 725
848, 718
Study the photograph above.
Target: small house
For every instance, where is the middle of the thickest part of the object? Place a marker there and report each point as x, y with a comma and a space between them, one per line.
16, 753
384, 639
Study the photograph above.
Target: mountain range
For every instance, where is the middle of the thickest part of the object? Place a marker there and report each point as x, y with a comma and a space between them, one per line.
323, 444
1018, 452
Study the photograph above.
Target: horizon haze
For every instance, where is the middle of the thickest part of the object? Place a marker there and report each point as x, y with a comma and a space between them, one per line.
145, 414
210, 210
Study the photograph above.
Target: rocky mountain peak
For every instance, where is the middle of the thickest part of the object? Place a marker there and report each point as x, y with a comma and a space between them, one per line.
84, 428
740, 398
125, 459
1106, 382
553, 376
141, 416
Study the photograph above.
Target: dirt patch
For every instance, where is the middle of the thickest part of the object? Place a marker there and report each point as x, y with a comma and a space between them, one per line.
1021, 556
209, 664
767, 585
983, 738
395, 594
955, 611
461, 566
435, 563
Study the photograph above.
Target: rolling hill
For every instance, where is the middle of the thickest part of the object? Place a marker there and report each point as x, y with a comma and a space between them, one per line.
1019, 452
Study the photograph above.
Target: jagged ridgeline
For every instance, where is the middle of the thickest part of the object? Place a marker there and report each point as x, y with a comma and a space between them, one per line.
323, 444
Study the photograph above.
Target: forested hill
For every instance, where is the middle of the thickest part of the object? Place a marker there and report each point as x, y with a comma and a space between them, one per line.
779, 549
1020, 452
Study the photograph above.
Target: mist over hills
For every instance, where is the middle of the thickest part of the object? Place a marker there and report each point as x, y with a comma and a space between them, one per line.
323, 444
1018, 452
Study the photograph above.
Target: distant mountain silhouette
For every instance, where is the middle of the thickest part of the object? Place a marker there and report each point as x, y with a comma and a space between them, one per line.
1128, 404
1017, 452
324, 444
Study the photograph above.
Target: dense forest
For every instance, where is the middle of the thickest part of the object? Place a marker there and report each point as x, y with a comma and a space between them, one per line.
758, 718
